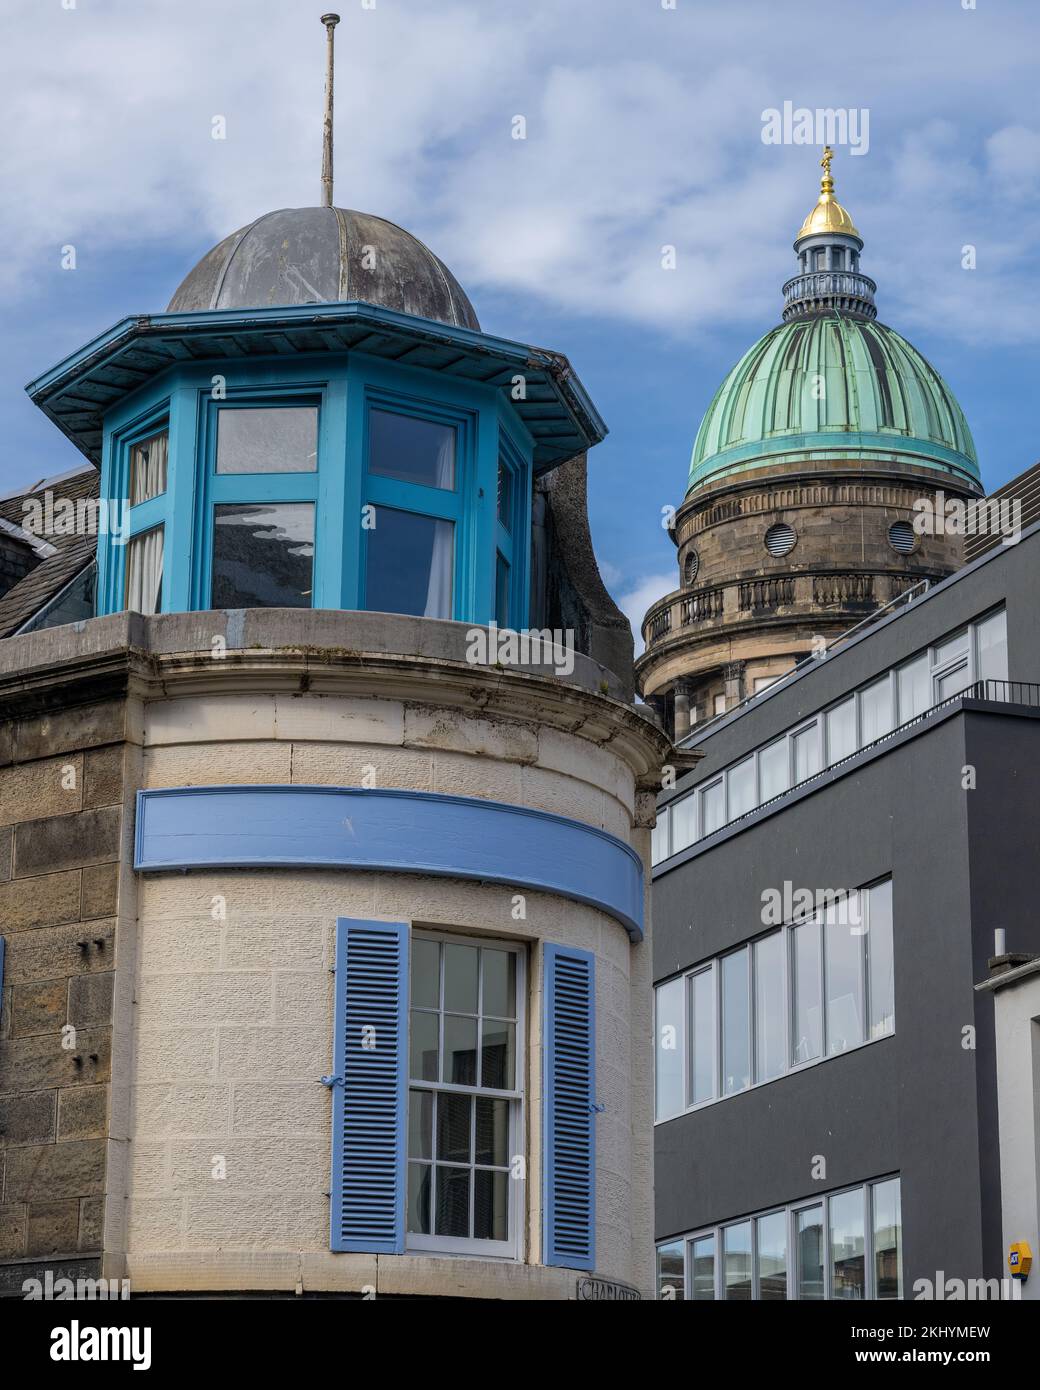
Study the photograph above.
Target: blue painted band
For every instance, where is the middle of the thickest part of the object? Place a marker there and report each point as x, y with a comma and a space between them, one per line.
390, 830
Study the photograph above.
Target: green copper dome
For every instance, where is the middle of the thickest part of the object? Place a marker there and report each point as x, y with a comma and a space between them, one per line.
831, 386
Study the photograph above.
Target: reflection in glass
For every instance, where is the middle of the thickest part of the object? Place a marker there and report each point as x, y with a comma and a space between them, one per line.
490, 1204
668, 1048
736, 1261
492, 1132
424, 1046
263, 555
452, 1201
497, 1054
409, 564
888, 1239
808, 1225
425, 974
420, 1178
770, 1046
843, 963
460, 978
460, 1050
991, 637
880, 961
807, 1032
702, 1037
848, 1260
771, 1239
703, 1255
420, 1124
670, 1271
268, 439
499, 983
736, 1049
454, 1123
411, 449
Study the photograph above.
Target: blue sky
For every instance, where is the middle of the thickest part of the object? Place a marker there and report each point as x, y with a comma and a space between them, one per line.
644, 129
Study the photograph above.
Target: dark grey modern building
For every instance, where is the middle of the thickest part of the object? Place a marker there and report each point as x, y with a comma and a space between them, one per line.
827, 885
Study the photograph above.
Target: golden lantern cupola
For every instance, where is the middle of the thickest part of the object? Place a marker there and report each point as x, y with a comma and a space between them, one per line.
828, 248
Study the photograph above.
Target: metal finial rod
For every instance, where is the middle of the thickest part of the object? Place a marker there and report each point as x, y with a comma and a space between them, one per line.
330, 21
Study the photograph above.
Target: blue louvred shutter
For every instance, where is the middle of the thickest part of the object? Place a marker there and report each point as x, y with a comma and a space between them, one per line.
370, 1086
570, 1108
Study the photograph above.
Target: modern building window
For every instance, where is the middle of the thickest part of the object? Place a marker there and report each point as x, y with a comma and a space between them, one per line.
659, 846
670, 1272
979, 652
684, 824
770, 1023
149, 461
810, 1244
267, 439
702, 1062
771, 1255
888, 1239
808, 990
669, 1036
410, 564
736, 1262
263, 555
848, 1245
144, 571
844, 1245
411, 449
464, 1097
736, 1023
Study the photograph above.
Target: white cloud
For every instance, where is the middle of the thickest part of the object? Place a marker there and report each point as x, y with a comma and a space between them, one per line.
636, 600
643, 131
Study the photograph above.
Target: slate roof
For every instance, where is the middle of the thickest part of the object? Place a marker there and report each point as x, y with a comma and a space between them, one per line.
71, 553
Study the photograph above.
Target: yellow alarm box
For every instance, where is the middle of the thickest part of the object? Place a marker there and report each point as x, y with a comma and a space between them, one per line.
1020, 1259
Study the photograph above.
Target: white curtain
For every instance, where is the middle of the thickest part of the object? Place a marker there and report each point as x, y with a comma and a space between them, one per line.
144, 572
438, 590
148, 468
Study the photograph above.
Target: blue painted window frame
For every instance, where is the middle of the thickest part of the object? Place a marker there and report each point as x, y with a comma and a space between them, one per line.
224, 489
342, 387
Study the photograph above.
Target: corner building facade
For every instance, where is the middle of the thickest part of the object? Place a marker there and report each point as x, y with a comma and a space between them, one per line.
346, 911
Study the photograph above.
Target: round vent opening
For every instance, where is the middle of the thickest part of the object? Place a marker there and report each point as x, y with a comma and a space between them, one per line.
780, 538
691, 565
901, 537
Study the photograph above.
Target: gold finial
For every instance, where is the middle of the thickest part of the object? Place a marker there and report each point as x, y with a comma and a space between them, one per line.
828, 216
330, 21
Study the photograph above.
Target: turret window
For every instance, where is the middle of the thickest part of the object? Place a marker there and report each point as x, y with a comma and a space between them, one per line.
282, 439
144, 572
411, 449
263, 555
148, 466
410, 564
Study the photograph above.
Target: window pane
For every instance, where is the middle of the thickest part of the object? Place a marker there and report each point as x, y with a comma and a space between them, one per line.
880, 964
502, 582
668, 1048
741, 788
736, 1261
841, 731
848, 1267
771, 1236
806, 753
670, 1271
148, 463
425, 973
409, 564
420, 1124
806, 1035
770, 1051
843, 966
952, 647
499, 983
498, 1054
492, 1137
419, 1181
659, 838
460, 1050
888, 1239
684, 829
875, 710
460, 978
452, 1201
490, 1205
414, 450
144, 572
736, 1059
952, 683
702, 1035
991, 636
915, 689
772, 769
703, 1254
271, 439
424, 1047
454, 1124
713, 807
505, 495
808, 1225
263, 555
